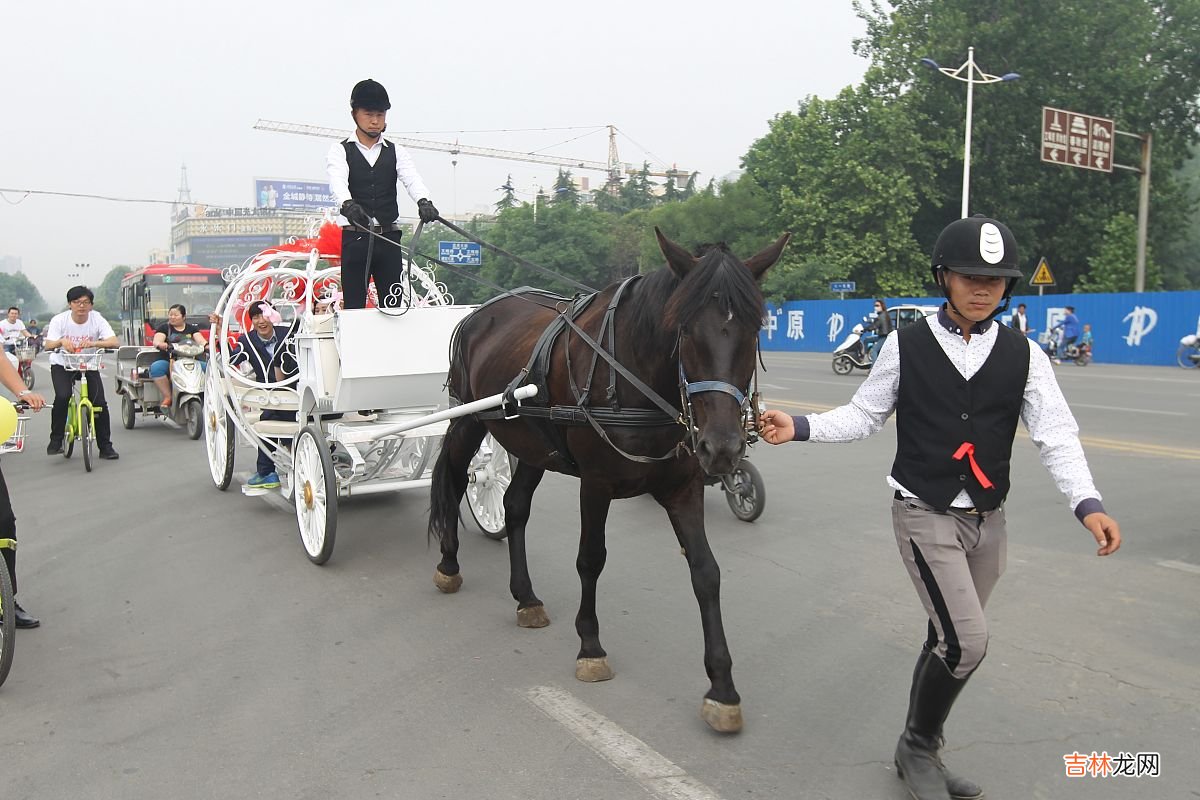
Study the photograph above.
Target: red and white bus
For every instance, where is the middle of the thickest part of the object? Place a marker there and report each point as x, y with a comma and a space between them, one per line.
148, 293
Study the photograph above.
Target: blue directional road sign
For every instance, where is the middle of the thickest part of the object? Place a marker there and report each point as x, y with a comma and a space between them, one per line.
841, 286
460, 254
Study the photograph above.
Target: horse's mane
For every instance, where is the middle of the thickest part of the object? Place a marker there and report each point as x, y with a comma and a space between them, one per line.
668, 302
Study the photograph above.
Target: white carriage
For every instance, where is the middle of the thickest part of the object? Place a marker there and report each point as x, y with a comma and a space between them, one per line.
391, 360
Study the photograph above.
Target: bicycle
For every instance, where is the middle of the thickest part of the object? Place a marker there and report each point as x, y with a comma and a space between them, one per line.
81, 414
8, 622
25, 353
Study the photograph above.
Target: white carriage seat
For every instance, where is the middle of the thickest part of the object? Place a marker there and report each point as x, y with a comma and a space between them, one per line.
394, 361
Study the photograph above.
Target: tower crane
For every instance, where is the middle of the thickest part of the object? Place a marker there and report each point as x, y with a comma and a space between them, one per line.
614, 167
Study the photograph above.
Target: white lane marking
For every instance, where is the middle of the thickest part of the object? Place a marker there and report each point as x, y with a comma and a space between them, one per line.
1182, 566
1130, 410
654, 773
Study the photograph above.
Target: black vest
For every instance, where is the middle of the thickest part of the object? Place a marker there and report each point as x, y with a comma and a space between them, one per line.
937, 410
374, 188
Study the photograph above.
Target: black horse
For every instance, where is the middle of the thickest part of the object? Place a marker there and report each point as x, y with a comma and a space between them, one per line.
688, 332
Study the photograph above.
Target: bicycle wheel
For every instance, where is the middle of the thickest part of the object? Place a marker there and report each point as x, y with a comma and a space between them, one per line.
8, 627
85, 440
1188, 356
27, 375
69, 432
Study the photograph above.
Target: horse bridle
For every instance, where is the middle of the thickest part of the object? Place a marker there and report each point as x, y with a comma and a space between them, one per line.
746, 400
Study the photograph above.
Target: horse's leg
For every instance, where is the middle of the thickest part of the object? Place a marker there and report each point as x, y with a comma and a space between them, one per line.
461, 441
592, 663
722, 708
517, 500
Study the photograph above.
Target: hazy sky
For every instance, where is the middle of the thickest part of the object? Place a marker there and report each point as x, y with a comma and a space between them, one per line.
111, 98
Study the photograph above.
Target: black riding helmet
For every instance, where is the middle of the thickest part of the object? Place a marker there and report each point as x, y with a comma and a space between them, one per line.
370, 96
977, 245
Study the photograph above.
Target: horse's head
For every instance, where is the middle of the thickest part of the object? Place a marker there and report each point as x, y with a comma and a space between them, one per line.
717, 309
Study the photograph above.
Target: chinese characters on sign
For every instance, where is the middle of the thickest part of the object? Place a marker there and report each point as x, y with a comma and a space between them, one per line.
1077, 140
1102, 765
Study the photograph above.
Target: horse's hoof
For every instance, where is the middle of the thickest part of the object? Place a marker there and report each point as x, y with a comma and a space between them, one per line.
448, 584
720, 717
533, 617
592, 670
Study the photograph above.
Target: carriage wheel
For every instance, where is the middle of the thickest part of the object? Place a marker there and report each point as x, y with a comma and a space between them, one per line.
745, 492
314, 486
488, 477
218, 438
128, 411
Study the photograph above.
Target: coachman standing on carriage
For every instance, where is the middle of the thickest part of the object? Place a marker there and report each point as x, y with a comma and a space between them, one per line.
365, 174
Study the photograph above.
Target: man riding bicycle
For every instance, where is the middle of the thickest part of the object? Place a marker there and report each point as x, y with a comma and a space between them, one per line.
78, 329
12, 330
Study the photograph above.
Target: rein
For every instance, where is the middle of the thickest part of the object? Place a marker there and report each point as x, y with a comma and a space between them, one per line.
672, 416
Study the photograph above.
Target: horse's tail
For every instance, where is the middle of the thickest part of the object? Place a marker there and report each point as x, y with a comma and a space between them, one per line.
443, 499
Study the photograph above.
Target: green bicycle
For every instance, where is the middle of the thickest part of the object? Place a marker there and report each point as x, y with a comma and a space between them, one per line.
8, 621
81, 414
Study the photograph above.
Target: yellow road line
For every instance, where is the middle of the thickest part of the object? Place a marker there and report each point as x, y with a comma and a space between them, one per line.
1093, 442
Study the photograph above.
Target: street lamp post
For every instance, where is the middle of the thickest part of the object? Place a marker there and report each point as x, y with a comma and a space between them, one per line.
970, 74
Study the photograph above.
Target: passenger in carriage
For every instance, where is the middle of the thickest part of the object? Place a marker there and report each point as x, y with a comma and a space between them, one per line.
265, 349
366, 172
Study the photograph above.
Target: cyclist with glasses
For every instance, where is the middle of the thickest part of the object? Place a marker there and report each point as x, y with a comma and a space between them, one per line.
73, 330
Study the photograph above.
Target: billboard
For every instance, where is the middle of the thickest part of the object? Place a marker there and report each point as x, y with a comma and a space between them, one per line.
1129, 328
221, 251
291, 195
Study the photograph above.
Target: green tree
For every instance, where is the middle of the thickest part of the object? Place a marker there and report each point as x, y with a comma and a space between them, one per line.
1146, 79
17, 290
564, 189
845, 177
108, 293
1112, 268
509, 197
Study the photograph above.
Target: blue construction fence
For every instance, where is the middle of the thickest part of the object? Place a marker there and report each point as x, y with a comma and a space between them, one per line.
1128, 328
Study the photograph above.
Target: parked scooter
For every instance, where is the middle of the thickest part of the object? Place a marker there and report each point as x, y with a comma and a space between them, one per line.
855, 350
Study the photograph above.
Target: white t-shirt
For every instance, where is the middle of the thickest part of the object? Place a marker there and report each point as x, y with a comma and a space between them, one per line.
10, 332
63, 327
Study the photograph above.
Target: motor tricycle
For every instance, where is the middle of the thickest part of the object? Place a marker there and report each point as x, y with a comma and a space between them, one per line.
141, 396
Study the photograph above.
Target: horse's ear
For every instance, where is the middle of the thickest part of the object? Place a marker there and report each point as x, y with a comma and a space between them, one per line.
762, 261
679, 260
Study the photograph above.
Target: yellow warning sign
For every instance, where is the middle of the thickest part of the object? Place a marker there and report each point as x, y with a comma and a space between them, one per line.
1042, 276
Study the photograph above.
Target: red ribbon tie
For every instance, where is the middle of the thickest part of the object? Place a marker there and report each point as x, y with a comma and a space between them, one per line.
967, 449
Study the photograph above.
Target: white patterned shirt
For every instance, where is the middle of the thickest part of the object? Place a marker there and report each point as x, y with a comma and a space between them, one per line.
1044, 410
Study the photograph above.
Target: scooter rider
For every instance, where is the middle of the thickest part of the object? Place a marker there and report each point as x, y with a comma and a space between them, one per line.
174, 331
958, 383
365, 174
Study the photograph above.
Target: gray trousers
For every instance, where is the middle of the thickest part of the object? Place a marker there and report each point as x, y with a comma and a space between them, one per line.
954, 559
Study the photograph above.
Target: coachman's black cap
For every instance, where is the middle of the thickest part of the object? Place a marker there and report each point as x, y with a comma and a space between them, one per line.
370, 96
977, 246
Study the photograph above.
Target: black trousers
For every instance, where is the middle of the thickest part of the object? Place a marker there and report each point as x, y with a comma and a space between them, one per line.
63, 380
8, 530
387, 263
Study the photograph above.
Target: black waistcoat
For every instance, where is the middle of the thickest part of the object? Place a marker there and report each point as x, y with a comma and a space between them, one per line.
937, 410
374, 188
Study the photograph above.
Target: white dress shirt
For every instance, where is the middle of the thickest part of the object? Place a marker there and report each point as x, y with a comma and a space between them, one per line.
407, 177
1044, 410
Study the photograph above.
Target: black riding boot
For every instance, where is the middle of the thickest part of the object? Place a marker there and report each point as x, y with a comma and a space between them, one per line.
933, 693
